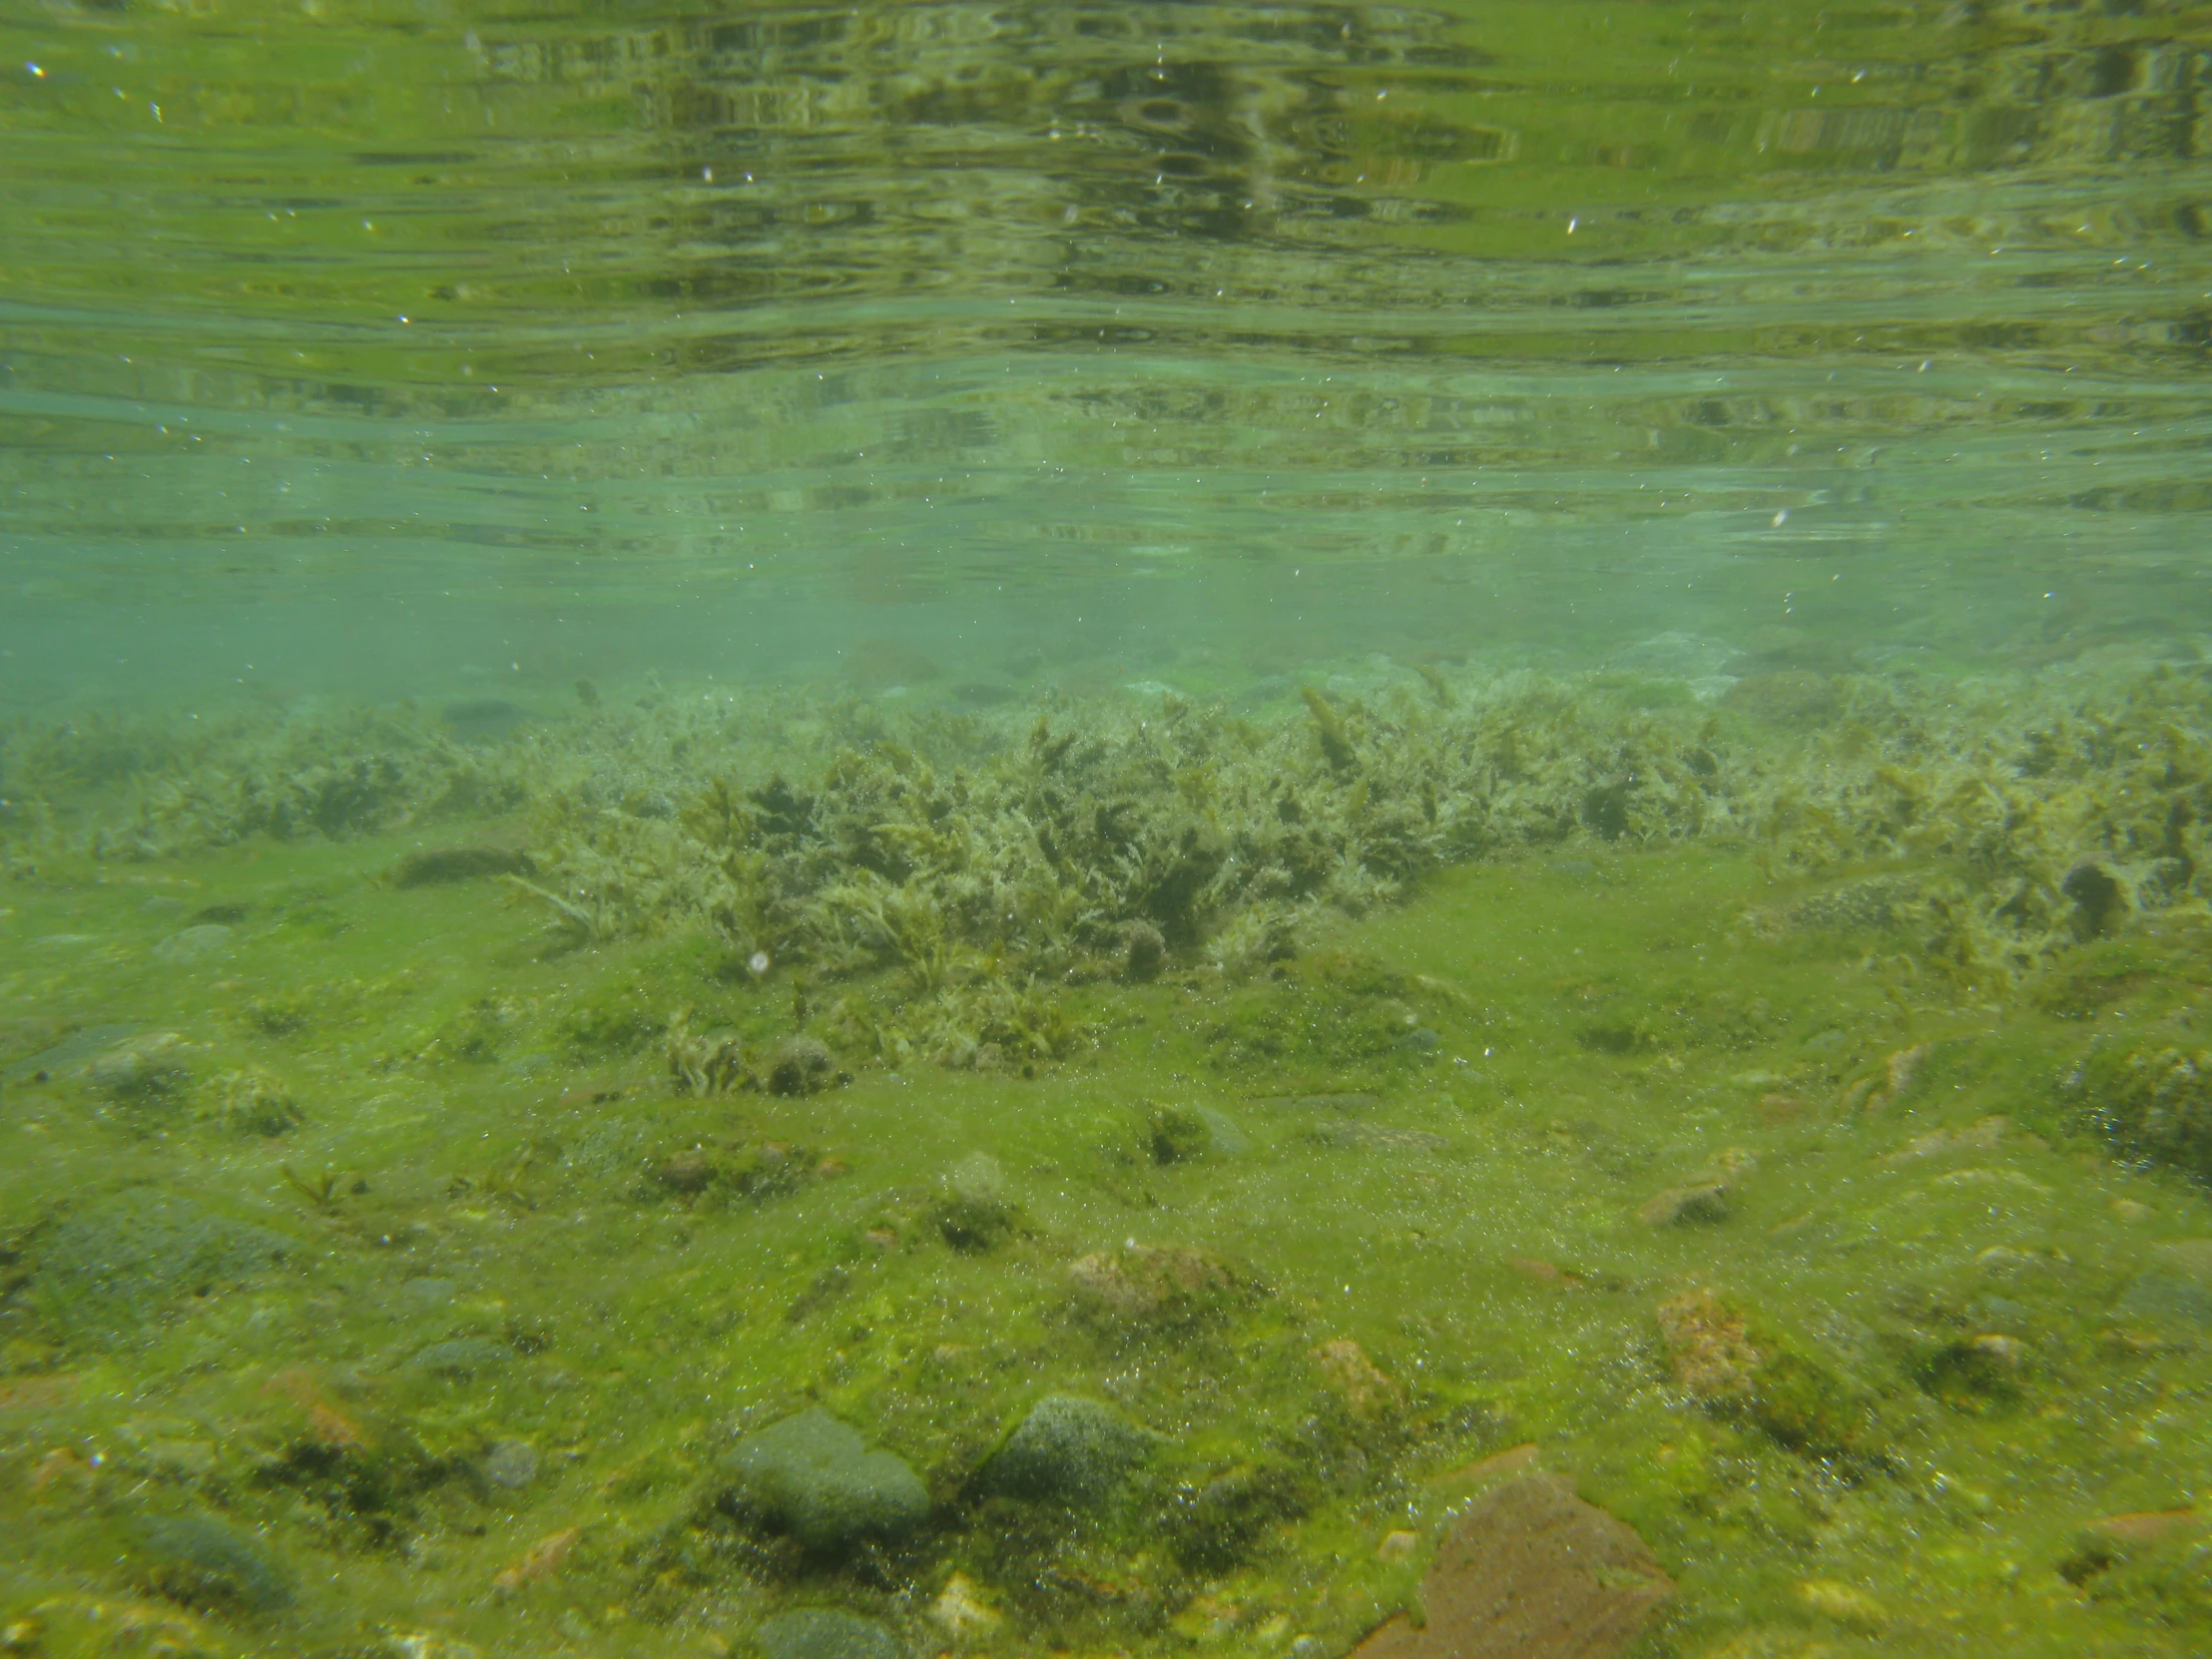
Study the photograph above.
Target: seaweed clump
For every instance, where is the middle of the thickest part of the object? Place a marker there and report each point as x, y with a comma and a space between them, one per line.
956, 868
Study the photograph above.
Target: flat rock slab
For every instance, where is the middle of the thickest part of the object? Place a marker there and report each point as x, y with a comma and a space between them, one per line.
1530, 1573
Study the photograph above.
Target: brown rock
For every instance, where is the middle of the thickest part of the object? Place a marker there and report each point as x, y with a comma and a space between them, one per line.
1367, 1389
686, 1171
1706, 1345
1145, 1284
2147, 1526
1530, 1573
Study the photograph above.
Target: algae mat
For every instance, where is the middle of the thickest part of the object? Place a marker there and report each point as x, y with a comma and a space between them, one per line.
453, 1274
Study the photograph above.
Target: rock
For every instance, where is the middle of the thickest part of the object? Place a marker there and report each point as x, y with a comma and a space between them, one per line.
1144, 950
483, 719
2170, 1298
2147, 1526
250, 1102
961, 1612
1177, 1134
1228, 1140
975, 1215
1366, 1389
1706, 1345
194, 944
203, 1562
541, 1560
512, 1464
105, 1627
1845, 1603
826, 1633
1067, 1451
114, 1262
1215, 1526
817, 1480
1797, 1400
798, 1065
1151, 1285
461, 1359
1351, 1134
442, 865
146, 1070
1706, 1201
69, 1056
1530, 1573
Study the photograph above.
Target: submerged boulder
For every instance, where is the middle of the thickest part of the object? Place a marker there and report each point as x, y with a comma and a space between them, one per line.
819, 1481
1068, 1449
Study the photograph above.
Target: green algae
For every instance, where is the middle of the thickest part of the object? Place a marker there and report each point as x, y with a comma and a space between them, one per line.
1448, 1115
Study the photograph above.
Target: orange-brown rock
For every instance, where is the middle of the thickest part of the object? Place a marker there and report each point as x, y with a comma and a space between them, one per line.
1530, 1573
1706, 1345
541, 1560
1367, 1389
1145, 1284
2147, 1526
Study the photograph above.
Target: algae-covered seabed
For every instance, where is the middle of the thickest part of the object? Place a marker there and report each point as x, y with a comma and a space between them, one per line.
1807, 1175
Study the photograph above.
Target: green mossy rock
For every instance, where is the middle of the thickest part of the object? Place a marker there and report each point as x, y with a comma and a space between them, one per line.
826, 1633
2154, 1105
203, 1562
112, 1265
1067, 1451
1218, 1526
816, 1480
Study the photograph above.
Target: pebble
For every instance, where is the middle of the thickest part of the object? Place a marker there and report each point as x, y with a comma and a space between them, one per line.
1706, 1344
1366, 1388
961, 1612
1148, 1285
194, 944
512, 1464
144, 1069
1843, 1603
460, 1358
826, 1633
1350, 1133
1705, 1201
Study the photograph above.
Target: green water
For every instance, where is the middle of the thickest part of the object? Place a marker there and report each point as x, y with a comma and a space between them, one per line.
1408, 744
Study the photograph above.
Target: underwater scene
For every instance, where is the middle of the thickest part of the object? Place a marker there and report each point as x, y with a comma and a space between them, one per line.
971, 829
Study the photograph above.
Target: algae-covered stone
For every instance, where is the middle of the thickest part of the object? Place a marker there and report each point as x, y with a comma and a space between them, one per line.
147, 1070
1068, 1449
816, 1480
975, 1213
826, 1633
1215, 1526
114, 1262
203, 1562
461, 1358
1141, 1285
2155, 1104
